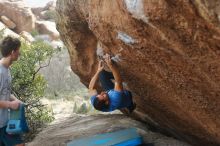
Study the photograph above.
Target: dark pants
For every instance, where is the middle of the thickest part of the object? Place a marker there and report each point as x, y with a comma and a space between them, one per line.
105, 79
9, 139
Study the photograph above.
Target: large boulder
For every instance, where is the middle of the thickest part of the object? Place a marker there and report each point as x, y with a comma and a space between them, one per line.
10, 24
49, 28
61, 132
24, 36
51, 5
169, 56
4, 31
37, 12
27, 36
19, 13
47, 12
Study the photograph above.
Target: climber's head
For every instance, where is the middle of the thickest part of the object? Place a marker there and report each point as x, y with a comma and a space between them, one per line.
101, 101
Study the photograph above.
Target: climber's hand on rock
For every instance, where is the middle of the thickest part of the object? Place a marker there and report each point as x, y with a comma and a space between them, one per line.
101, 66
108, 61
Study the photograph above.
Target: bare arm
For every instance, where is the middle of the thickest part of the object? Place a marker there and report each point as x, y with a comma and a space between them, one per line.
4, 104
116, 74
10, 104
92, 90
12, 97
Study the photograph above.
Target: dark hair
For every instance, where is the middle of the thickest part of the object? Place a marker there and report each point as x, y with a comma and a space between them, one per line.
9, 44
100, 105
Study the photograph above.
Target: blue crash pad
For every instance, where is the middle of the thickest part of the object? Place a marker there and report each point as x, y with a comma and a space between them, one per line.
17, 121
126, 137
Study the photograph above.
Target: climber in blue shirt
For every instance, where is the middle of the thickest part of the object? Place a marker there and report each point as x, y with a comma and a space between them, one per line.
114, 96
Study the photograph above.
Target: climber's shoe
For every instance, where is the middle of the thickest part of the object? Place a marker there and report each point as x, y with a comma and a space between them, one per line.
132, 108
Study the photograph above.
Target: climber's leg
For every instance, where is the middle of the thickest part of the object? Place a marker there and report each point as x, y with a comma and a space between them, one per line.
106, 80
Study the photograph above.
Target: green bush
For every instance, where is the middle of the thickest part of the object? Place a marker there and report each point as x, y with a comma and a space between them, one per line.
34, 33
50, 14
29, 85
83, 109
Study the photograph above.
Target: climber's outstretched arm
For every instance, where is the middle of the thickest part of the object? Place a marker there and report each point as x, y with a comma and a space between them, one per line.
92, 90
116, 74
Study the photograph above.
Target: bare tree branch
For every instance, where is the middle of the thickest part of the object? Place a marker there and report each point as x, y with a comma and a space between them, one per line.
34, 74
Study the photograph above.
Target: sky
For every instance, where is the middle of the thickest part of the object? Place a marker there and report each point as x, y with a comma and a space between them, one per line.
37, 3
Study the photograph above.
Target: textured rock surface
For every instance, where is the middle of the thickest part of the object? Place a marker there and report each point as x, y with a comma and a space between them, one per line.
27, 36
49, 28
44, 12
6, 31
169, 57
8, 22
60, 133
21, 15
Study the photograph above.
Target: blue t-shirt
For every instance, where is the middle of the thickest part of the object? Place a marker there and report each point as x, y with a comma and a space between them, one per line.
118, 99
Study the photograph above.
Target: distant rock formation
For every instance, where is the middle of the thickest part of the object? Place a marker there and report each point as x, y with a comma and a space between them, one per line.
46, 12
19, 18
27, 36
8, 22
5, 31
19, 13
169, 56
49, 28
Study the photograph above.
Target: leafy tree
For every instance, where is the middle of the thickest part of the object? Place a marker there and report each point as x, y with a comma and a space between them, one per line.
29, 85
